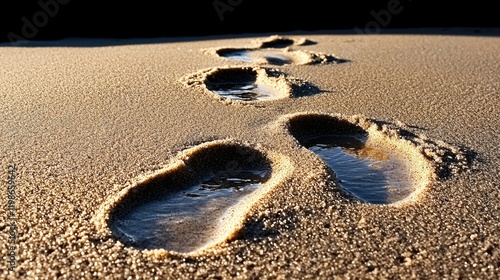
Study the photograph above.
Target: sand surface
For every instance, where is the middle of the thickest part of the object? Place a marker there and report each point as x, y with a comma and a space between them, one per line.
83, 126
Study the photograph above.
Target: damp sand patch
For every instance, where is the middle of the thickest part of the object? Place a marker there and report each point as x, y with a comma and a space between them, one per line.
196, 202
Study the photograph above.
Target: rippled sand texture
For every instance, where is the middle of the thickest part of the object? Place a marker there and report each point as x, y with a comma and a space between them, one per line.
166, 160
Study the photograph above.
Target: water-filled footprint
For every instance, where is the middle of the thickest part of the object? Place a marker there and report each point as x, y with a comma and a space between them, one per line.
244, 84
196, 202
276, 50
247, 84
260, 56
369, 166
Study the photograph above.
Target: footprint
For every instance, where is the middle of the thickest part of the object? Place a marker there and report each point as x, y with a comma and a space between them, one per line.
275, 50
196, 202
248, 84
368, 164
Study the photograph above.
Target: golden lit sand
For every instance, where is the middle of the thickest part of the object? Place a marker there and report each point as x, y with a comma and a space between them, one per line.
82, 127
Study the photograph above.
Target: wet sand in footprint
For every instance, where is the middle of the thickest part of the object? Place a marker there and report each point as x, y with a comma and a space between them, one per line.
196, 202
371, 174
277, 50
367, 164
244, 84
243, 91
185, 221
274, 57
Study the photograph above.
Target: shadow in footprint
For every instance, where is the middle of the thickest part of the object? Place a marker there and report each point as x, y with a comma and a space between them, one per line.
249, 84
371, 173
241, 84
277, 42
196, 203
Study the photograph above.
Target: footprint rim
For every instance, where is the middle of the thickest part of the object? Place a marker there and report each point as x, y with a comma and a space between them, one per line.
293, 57
281, 85
280, 168
279, 43
421, 180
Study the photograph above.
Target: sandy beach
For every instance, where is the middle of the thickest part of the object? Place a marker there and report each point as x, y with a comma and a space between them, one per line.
93, 130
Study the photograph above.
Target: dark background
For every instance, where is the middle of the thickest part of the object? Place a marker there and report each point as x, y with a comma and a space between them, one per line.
146, 19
